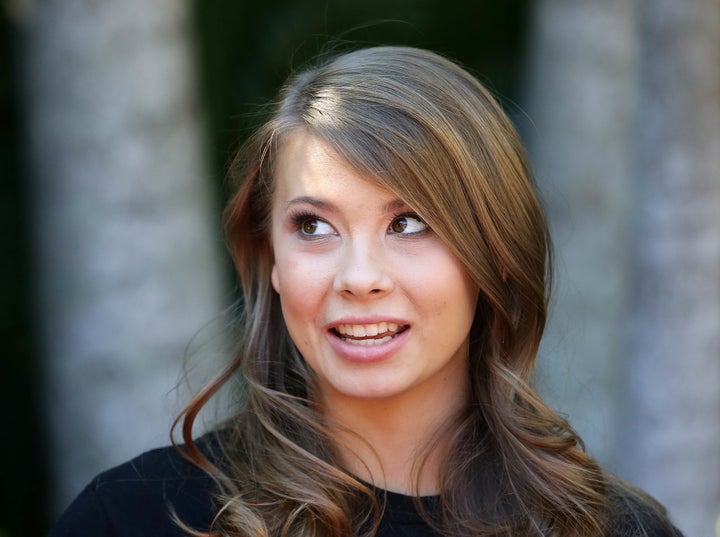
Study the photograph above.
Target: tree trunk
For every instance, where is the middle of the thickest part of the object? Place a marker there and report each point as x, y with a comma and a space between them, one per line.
580, 98
625, 98
673, 419
127, 256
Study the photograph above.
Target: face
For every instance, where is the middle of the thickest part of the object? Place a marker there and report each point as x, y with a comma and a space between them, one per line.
376, 303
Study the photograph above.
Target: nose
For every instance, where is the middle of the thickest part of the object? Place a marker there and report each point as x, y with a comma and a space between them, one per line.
363, 271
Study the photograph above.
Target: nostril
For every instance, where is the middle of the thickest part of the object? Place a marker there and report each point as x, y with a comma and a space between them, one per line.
362, 275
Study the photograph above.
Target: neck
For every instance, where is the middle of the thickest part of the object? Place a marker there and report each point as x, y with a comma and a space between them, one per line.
397, 443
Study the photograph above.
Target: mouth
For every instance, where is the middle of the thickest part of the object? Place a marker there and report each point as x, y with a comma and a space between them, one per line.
368, 334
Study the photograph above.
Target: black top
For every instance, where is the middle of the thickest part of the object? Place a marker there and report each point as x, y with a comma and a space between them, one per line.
135, 500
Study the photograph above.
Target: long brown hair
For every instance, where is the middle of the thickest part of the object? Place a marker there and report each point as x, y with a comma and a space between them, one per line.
428, 131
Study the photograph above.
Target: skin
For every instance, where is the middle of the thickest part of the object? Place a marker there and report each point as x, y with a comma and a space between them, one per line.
353, 263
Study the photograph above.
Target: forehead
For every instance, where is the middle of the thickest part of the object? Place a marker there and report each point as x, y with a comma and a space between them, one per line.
307, 166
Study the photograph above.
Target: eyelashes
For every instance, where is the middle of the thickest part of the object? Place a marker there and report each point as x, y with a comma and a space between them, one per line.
310, 225
297, 219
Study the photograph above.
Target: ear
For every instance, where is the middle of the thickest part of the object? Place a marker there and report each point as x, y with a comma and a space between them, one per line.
274, 279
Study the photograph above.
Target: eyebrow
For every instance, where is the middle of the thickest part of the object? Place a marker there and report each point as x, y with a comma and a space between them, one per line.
391, 206
315, 202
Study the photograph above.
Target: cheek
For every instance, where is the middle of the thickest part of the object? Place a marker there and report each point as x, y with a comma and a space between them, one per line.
301, 282
303, 293
454, 292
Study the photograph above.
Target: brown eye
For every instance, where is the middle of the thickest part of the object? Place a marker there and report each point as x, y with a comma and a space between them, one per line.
398, 225
407, 224
309, 227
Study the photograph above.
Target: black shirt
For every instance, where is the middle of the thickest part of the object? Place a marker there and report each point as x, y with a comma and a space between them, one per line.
136, 499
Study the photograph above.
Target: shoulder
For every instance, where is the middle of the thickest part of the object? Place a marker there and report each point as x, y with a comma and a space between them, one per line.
139, 498
637, 514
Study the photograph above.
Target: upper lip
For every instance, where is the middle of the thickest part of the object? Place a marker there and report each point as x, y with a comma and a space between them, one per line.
374, 319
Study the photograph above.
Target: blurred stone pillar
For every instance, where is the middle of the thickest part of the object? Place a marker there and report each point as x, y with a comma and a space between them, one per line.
126, 241
672, 438
581, 103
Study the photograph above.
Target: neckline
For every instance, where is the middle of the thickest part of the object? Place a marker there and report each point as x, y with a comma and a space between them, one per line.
399, 507
379, 491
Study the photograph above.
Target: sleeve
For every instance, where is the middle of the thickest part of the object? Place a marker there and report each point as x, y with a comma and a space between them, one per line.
638, 516
84, 517
141, 499
645, 525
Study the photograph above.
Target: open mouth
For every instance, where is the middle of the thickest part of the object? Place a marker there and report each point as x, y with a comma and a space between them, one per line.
368, 334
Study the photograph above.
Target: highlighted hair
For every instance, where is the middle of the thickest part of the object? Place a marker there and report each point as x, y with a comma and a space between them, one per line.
428, 131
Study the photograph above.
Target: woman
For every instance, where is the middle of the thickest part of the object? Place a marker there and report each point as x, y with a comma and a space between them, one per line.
394, 261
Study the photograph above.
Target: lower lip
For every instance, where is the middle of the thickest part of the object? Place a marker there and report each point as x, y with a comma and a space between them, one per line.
370, 353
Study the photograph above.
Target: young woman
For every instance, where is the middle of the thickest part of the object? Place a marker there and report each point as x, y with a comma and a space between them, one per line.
394, 261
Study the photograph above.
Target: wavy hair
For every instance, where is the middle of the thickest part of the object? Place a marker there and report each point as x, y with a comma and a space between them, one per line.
425, 129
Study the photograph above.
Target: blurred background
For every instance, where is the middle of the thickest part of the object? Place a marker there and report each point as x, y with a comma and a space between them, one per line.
118, 119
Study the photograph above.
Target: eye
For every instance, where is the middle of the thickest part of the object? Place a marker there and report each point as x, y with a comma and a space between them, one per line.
407, 224
312, 226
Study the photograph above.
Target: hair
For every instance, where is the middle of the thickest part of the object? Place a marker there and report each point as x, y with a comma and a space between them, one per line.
425, 129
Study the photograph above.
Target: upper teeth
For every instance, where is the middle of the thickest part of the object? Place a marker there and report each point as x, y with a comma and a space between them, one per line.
364, 330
